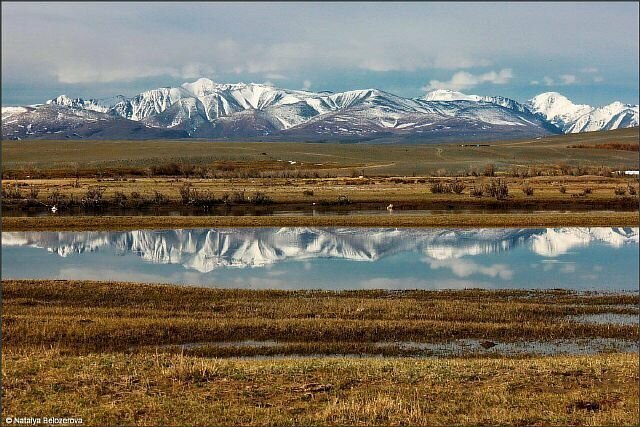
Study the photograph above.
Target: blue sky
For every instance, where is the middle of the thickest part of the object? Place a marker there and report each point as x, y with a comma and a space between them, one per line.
587, 51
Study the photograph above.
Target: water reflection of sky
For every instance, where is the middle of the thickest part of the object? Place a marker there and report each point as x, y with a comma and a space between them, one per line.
290, 258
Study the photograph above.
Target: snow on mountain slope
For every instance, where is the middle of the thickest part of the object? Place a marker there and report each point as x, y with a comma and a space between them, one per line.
449, 95
206, 250
59, 122
575, 118
207, 109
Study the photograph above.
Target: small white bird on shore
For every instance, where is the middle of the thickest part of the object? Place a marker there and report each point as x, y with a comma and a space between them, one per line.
390, 207
54, 209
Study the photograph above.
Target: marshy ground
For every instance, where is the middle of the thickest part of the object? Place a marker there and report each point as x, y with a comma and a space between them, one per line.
124, 353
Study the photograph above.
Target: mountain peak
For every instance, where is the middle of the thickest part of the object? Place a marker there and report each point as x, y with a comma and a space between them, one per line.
550, 98
61, 100
449, 95
573, 118
200, 87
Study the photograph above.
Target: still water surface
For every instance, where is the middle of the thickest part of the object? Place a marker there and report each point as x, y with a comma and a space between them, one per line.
335, 258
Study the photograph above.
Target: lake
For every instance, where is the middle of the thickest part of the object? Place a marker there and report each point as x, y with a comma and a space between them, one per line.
600, 258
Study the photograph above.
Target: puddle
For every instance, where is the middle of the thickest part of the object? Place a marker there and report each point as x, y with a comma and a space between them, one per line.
607, 319
456, 348
574, 347
225, 344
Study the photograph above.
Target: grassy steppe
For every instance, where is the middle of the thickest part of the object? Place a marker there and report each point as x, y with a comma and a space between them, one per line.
146, 389
90, 349
341, 159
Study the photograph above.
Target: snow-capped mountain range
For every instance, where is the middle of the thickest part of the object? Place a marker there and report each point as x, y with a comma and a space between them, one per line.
205, 250
204, 109
574, 118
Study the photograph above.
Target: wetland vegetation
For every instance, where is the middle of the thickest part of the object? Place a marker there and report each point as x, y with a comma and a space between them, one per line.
79, 347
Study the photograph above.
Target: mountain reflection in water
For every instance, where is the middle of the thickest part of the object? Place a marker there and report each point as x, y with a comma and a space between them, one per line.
600, 258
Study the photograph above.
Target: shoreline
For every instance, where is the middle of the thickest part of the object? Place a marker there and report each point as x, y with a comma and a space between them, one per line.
115, 223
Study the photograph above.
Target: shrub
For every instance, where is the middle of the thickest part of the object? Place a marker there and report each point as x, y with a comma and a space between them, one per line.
260, 198
497, 188
489, 170
135, 195
457, 186
204, 199
308, 192
171, 169
632, 190
238, 197
158, 197
527, 189
587, 190
33, 192
476, 191
186, 193
563, 189
11, 193
94, 193
55, 197
343, 200
620, 191
564, 168
119, 198
93, 197
187, 170
439, 187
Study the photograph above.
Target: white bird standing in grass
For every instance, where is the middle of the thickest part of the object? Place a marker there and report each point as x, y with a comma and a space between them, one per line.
390, 207
54, 209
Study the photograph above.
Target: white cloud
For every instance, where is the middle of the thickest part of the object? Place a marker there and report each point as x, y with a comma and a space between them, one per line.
464, 268
465, 80
306, 85
568, 79
589, 70
534, 82
561, 80
598, 79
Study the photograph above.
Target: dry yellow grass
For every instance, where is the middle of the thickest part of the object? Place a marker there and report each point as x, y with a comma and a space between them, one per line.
402, 190
147, 389
65, 355
80, 316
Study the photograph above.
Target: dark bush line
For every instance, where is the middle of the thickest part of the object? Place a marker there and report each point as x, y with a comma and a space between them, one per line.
171, 169
94, 199
609, 146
